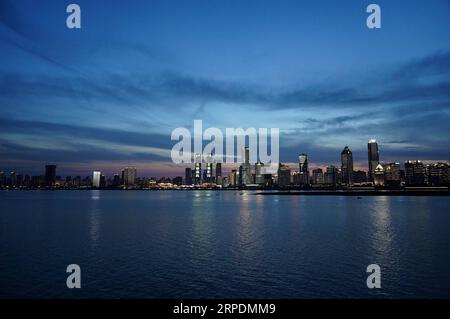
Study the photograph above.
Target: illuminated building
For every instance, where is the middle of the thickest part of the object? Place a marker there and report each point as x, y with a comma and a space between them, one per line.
392, 174
245, 172
415, 173
259, 176
347, 166
96, 179
219, 178
209, 169
303, 169
197, 168
438, 174
378, 175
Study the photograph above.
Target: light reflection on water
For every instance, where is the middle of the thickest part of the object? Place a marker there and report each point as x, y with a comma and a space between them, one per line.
222, 244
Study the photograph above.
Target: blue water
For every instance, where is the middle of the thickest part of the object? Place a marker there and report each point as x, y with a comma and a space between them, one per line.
229, 244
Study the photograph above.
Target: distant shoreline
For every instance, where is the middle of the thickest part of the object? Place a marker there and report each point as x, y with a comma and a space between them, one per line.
355, 192
363, 193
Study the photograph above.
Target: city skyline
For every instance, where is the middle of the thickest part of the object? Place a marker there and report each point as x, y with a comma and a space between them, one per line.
378, 173
105, 96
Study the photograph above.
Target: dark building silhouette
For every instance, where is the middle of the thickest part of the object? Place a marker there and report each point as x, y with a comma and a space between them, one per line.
373, 157
438, 174
284, 175
50, 175
218, 170
359, 177
347, 166
178, 180
188, 176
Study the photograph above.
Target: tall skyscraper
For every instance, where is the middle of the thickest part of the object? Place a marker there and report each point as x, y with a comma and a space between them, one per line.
2, 179
219, 178
219, 169
209, 169
50, 175
374, 158
347, 166
303, 168
13, 178
259, 174
197, 168
102, 181
96, 179
246, 177
233, 178
116, 180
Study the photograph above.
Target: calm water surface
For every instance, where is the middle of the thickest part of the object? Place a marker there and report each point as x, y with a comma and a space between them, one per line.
193, 244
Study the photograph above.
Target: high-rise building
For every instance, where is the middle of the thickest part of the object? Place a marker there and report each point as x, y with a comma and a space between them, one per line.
96, 179
303, 169
13, 178
259, 173
77, 181
197, 168
102, 181
284, 175
218, 169
415, 173
129, 176
347, 166
438, 174
219, 174
2, 178
233, 178
36, 181
116, 180
209, 169
188, 176
331, 175
373, 157
225, 181
50, 175
392, 174
246, 177
317, 176
379, 175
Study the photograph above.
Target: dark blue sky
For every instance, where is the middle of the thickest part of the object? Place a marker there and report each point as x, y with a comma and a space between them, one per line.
110, 94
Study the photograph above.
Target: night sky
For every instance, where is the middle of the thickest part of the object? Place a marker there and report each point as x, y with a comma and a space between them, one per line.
110, 94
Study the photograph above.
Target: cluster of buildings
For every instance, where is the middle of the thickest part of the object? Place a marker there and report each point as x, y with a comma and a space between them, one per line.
207, 174
415, 173
126, 179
